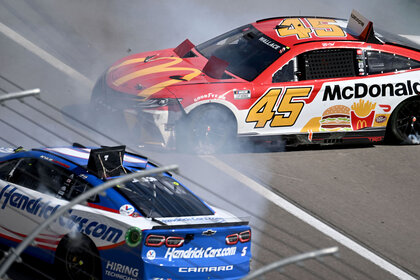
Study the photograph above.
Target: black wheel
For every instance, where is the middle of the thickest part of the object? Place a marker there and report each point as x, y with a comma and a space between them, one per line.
404, 124
77, 259
207, 130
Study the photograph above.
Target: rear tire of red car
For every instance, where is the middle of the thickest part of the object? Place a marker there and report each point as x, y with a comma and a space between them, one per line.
208, 129
77, 258
404, 123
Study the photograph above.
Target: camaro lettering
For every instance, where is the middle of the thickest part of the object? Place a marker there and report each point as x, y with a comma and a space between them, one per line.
196, 253
360, 90
206, 268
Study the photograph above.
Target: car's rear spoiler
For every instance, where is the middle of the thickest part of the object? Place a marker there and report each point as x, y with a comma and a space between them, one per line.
361, 28
211, 225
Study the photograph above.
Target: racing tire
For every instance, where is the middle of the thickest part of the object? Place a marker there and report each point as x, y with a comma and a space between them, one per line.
207, 130
404, 123
77, 258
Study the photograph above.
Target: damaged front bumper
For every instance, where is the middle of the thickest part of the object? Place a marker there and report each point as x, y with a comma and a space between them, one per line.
155, 126
150, 122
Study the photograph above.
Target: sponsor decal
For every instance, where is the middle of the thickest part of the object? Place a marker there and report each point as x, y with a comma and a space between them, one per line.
9, 196
126, 210
357, 23
342, 118
242, 94
46, 158
356, 19
151, 255
270, 43
209, 96
206, 268
380, 119
199, 253
35, 206
91, 228
54, 161
376, 139
120, 271
336, 118
362, 114
386, 108
360, 90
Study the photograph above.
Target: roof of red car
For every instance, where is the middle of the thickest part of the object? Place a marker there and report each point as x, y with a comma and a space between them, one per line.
295, 30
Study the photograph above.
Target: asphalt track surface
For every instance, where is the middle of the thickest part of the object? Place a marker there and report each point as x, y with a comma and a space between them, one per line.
368, 195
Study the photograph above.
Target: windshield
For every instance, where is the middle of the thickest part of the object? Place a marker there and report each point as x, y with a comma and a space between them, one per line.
162, 196
247, 50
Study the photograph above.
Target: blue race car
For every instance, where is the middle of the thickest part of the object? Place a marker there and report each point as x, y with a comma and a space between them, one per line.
148, 228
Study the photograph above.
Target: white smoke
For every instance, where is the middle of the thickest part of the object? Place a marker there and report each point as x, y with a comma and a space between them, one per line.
413, 139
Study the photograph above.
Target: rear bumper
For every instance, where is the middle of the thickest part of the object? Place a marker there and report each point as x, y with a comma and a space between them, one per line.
202, 256
196, 272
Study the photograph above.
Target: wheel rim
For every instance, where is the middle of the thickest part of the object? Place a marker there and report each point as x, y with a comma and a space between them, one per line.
408, 122
80, 264
211, 131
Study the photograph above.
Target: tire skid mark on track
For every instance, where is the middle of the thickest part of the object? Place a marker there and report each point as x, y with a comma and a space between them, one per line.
309, 219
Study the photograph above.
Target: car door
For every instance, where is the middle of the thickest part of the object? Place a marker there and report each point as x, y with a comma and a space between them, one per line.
292, 98
27, 199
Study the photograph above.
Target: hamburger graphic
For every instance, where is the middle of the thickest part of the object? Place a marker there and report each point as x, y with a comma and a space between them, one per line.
336, 118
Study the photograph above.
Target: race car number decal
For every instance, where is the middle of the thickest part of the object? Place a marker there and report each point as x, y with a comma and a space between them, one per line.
288, 109
318, 27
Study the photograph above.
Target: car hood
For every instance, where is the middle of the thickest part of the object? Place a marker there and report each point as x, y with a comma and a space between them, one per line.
145, 74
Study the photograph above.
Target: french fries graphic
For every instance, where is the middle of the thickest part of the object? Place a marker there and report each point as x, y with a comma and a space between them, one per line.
362, 114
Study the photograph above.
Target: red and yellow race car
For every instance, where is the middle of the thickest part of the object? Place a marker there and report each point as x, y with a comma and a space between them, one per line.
300, 79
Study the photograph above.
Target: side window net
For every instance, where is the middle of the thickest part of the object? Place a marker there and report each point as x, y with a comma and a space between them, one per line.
39, 175
328, 63
286, 73
26, 174
50, 179
381, 62
73, 187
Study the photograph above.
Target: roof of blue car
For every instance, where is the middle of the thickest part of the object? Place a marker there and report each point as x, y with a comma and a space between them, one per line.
80, 156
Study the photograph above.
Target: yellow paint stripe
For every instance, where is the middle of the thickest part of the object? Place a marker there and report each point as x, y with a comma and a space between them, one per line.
165, 67
127, 62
